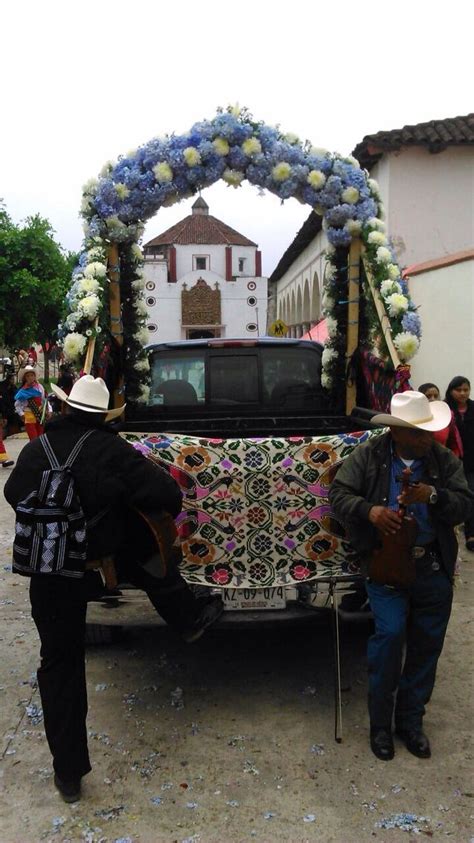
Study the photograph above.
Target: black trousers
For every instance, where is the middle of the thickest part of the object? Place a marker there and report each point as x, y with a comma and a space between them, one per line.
58, 608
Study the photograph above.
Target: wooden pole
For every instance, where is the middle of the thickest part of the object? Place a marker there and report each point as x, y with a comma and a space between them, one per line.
382, 314
116, 327
353, 295
90, 352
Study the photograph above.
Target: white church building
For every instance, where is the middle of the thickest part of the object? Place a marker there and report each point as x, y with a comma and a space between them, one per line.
204, 279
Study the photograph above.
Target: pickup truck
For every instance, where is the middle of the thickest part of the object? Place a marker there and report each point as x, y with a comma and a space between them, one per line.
252, 439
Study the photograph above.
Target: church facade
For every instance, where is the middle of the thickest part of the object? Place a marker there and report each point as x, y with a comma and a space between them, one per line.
203, 279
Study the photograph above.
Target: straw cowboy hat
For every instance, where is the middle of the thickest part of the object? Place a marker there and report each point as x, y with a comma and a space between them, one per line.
29, 369
90, 395
412, 409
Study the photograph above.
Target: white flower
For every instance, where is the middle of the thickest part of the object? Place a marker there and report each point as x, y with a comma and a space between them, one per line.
328, 355
89, 306
115, 227
388, 287
88, 285
235, 110
140, 307
350, 195
107, 169
397, 303
407, 344
233, 177
331, 325
89, 332
376, 223
142, 365
251, 146
85, 204
354, 227
319, 152
144, 393
142, 336
90, 187
291, 138
384, 255
316, 179
95, 270
281, 171
122, 190
351, 160
74, 345
221, 146
96, 254
393, 271
330, 272
163, 172
137, 252
192, 156
373, 187
330, 249
327, 303
377, 238
98, 330
326, 381
138, 284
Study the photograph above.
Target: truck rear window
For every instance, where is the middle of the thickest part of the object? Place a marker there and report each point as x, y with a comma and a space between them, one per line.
177, 378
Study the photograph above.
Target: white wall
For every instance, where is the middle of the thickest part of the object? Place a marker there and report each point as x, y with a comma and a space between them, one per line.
184, 258
429, 200
306, 273
445, 297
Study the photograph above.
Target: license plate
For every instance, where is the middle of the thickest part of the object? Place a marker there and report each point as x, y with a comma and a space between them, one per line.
242, 599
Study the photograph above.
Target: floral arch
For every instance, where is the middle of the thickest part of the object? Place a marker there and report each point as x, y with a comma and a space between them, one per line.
233, 147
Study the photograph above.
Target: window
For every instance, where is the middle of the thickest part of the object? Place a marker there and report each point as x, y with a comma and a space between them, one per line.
241, 264
233, 379
292, 378
177, 379
201, 262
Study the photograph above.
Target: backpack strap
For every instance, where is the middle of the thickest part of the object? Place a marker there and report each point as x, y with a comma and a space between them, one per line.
53, 461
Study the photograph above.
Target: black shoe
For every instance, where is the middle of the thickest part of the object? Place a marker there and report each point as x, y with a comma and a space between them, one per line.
8, 463
381, 744
70, 791
416, 742
355, 606
211, 611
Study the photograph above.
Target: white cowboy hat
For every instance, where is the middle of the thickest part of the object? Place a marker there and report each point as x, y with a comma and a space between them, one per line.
90, 395
29, 369
412, 409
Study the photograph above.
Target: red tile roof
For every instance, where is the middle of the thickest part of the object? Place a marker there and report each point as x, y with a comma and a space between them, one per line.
200, 229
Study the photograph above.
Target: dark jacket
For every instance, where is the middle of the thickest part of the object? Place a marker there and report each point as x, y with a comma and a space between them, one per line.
108, 473
465, 423
363, 481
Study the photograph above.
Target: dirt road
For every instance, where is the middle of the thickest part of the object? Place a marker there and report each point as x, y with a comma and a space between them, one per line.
246, 752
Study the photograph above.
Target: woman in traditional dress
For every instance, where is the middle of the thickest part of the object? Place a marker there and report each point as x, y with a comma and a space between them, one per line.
31, 403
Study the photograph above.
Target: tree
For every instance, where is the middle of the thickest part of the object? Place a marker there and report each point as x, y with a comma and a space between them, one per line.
34, 278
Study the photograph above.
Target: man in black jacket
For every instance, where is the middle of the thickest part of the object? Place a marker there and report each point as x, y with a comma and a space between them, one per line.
365, 496
114, 480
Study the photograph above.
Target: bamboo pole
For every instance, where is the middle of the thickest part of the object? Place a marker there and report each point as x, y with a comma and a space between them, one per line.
116, 327
382, 314
90, 352
353, 295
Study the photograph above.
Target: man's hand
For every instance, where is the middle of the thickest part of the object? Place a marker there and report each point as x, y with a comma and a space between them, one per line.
386, 520
417, 493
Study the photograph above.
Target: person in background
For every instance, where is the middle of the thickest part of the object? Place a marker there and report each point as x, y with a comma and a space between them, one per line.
457, 396
65, 382
5, 461
31, 403
32, 355
450, 436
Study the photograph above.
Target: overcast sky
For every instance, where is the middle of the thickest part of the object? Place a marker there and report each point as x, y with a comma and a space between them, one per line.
83, 82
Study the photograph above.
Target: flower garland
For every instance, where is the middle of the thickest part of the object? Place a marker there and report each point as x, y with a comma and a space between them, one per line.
234, 147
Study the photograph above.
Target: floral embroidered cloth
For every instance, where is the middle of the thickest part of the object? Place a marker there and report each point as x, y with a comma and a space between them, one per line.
256, 511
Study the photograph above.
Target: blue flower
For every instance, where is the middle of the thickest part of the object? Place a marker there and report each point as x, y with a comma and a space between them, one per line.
339, 214
338, 236
411, 322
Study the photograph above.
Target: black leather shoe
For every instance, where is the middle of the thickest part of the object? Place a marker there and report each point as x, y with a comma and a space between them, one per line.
416, 742
70, 791
381, 744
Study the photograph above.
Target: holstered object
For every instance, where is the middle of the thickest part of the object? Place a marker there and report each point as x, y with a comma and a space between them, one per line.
392, 561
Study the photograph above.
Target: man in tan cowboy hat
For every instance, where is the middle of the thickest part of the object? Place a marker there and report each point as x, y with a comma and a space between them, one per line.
113, 481
365, 496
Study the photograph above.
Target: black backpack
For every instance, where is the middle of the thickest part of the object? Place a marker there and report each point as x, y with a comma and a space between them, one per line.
50, 527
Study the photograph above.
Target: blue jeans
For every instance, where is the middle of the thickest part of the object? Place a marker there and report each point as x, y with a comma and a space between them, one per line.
416, 619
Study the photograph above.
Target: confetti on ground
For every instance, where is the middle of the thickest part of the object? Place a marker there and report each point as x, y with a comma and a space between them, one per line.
405, 822
156, 800
318, 748
34, 713
233, 803
309, 818
269, 815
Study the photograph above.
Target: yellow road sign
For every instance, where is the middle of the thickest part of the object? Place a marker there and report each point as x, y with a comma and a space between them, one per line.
278, 329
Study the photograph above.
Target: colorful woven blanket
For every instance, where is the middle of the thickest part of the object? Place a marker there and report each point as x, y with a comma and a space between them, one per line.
256, 511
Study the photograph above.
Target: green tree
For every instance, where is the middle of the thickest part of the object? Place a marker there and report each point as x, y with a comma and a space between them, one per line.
34, 277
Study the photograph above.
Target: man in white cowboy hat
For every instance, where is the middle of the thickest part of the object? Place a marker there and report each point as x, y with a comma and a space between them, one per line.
365, 496
112, 480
